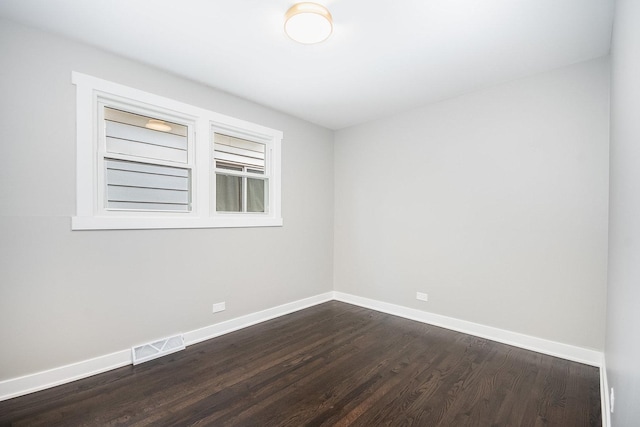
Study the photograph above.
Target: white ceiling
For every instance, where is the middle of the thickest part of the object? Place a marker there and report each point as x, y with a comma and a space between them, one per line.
383, 57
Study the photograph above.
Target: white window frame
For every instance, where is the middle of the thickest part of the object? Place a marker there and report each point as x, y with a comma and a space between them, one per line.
92, 92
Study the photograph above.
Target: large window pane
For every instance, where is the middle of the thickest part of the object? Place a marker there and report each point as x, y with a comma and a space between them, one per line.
142, 186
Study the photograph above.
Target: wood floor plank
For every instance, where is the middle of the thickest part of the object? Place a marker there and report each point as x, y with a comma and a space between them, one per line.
333, 364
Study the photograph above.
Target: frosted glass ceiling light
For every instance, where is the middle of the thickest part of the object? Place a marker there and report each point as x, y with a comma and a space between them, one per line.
308, 23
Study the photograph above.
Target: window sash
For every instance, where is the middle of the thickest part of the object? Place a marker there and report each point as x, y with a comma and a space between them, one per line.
240, 194
240, 152
144, 170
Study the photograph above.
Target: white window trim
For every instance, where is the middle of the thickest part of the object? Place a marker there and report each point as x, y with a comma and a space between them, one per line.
89, 213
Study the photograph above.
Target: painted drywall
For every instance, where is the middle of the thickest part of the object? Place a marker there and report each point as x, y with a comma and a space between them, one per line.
623, 300
493, 203
67, 296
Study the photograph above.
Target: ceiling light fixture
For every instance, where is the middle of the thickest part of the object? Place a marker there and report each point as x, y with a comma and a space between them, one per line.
308, 23
157, 125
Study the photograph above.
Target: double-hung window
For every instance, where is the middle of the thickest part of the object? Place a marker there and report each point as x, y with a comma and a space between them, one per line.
241, 183
144, 161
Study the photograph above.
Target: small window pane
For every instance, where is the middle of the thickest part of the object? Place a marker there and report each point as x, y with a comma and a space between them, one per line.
255, 194
228, 193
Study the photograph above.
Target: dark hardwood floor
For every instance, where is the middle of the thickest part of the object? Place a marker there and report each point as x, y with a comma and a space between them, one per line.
334, 365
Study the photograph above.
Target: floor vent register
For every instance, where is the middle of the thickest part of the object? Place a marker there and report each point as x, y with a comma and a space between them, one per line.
153, 350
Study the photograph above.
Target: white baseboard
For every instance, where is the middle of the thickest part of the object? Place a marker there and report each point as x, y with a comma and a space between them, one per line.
222, 328
15, 387
20, 386
552, 348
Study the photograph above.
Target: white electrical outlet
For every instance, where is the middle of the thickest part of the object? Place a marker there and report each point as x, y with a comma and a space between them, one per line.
611, 400
422, 296
219, 307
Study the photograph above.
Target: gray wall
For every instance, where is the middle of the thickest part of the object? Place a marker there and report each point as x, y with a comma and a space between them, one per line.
622, 350
68, 296
494, 203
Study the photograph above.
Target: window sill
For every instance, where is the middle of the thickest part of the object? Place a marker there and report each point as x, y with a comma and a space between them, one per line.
144, 223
